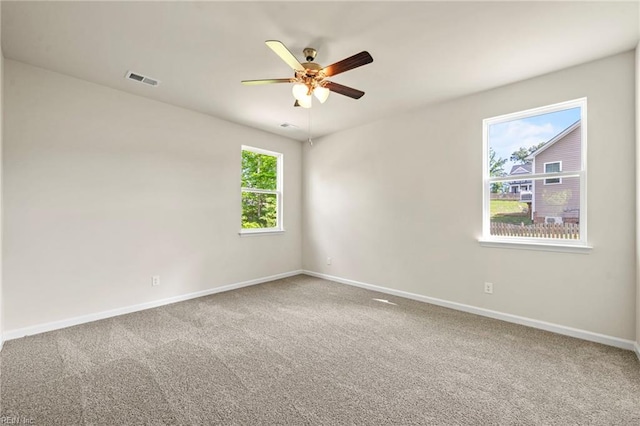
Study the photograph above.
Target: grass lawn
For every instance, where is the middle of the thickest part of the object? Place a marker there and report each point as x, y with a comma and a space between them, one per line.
509, 211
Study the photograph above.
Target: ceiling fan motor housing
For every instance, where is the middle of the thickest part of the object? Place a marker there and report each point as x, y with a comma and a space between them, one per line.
312, 68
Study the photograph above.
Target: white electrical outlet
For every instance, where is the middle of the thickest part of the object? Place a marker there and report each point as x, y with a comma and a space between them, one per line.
328, 261
155, 280
488, 288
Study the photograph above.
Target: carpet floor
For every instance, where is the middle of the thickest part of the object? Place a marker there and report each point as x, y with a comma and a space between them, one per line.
308, 351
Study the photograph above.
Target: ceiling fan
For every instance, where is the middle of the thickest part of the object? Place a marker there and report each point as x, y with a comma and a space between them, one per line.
310, 78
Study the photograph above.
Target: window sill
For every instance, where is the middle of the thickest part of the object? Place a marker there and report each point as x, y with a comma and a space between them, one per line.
259, 232
539, 246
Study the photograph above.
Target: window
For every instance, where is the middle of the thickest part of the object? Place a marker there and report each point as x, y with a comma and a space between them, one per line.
554, 167
261, 189
546, 148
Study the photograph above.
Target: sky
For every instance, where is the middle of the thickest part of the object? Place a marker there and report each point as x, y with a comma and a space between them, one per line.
506, 138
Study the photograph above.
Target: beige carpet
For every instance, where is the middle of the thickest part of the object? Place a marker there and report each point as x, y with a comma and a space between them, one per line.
308, 351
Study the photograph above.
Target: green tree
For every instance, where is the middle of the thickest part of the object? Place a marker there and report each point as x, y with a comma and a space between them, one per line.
520, 156
496, 168
259, 210
259, 171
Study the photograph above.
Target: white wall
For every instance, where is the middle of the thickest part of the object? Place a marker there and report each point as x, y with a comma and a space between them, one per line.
1, 208
397, 203
104, 189
638, 198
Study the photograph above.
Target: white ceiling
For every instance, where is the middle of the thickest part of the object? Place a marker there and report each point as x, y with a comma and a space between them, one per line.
424, 52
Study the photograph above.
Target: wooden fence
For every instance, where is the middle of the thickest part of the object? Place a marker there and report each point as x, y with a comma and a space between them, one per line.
567, 231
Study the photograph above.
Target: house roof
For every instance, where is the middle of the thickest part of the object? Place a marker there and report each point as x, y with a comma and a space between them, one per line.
555, 139
519, 169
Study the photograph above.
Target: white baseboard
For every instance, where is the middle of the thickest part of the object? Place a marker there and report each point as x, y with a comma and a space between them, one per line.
529, 322
55, 325
555, 328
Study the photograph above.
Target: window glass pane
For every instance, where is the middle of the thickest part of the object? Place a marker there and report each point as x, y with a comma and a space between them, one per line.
552, 167
547, 211
522, 146
259, 171
259, 210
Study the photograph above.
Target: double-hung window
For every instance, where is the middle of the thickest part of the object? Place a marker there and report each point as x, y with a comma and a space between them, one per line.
543, 152
553, 167
261, 190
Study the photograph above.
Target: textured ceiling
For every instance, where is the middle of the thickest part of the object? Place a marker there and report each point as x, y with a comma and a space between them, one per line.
424, 52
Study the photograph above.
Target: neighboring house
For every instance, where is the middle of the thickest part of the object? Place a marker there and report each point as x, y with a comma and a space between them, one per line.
518, 186
557, 200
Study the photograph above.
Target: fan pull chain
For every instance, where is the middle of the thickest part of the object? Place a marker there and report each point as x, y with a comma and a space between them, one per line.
309, 139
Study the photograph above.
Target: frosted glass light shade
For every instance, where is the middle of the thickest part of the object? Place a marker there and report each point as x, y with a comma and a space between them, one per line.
321, 93
305, 102
300, 91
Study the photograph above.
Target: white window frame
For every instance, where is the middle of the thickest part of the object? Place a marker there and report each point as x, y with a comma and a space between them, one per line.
544, 167
546, 244
279, 228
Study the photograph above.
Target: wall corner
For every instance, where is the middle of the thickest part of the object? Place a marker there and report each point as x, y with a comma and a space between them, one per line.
637, 72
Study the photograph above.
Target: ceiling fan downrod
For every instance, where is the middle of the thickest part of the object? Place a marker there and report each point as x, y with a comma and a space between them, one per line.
309, 53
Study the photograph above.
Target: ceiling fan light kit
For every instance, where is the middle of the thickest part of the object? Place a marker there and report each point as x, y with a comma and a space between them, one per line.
321, 93
301, 91
311, 78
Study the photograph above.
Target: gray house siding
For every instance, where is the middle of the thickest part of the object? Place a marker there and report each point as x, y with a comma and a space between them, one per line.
561, 199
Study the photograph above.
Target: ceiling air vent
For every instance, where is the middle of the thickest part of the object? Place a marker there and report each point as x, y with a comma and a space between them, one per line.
142, 78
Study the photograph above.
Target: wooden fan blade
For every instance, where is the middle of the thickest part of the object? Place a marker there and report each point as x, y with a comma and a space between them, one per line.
269, 81
355, 61
284, 53
344, 90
